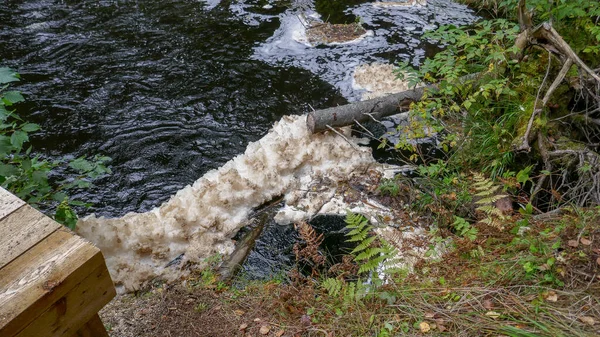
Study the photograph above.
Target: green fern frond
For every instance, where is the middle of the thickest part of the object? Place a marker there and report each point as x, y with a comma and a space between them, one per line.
372, 250
483, 186
487, 190
364, 244
490, 200
359, 234
372, 264
369, 253
490, 210
333, 286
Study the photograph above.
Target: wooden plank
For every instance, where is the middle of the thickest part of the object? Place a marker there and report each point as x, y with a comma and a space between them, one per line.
72, 311
8, 203
93, 328
34, 281
22, 230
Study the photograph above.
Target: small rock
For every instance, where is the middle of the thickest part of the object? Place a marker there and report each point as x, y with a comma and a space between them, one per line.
573, 243
268, 6
264, 329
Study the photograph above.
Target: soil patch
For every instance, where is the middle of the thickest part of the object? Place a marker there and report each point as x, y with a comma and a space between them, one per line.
180, 311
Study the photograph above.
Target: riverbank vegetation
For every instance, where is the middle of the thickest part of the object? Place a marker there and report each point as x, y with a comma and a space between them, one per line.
511, 209
32, 177
514, 201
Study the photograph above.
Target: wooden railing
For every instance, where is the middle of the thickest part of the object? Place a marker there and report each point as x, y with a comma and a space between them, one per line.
52, 282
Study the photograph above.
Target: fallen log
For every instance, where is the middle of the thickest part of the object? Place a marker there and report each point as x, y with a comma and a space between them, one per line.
343, 115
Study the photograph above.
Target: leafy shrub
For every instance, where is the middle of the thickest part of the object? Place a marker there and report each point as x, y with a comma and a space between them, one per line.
25, 173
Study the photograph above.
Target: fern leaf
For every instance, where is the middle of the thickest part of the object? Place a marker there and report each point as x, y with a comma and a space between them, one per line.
490, 210
487, 191
368, 253
371, 265
364, 244
333, 286
490, 200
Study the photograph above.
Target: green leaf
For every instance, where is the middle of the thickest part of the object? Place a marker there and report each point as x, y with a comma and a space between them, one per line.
12, 97
83, 184
81, 165
60, 197
5, 145
3, 112
7, 76
18, 138
8, 170
523, 175
66, 215
26, 164
30, 127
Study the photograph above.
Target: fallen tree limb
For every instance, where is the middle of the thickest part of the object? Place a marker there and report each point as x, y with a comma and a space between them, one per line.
357, 112
343, 115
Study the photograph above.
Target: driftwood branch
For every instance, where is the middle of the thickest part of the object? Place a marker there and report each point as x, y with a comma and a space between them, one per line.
372, 109
343, 115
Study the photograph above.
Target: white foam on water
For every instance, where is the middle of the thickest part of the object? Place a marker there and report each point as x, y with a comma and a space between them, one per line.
201, 219
378, 79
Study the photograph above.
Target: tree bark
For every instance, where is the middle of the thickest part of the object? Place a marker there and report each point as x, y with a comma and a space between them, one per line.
343, 115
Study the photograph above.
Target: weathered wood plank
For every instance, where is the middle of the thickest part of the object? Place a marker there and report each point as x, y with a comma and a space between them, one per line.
8, 203
72, 311
22, 230
93, 328
34, 281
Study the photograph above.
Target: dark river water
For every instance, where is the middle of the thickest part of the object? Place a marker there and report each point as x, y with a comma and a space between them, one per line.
172, 89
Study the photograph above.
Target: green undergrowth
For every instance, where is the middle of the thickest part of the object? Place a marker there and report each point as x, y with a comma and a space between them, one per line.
527, 279
29, 175
487, 89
